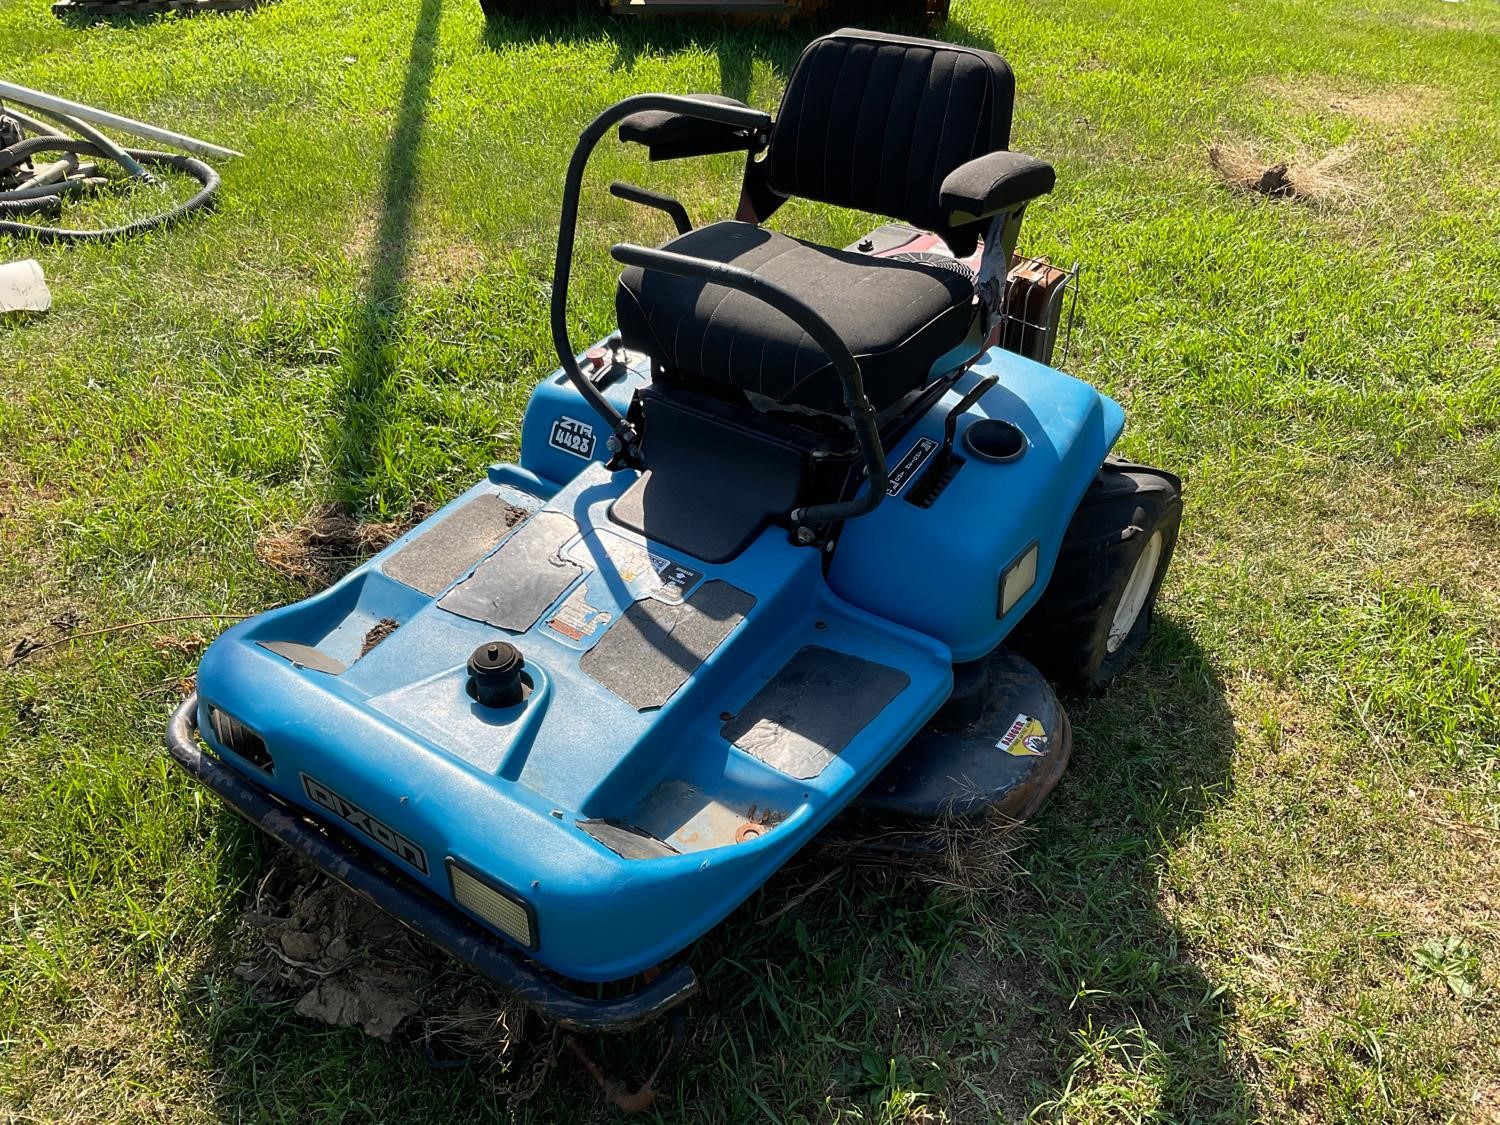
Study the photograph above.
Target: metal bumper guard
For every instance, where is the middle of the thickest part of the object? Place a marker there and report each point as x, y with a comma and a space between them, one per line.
336, 854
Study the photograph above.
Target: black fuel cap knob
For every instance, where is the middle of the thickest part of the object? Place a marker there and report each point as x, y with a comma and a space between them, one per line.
495, 674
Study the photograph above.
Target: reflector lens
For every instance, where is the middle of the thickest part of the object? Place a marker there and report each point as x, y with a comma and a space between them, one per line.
499, 908
1018, 578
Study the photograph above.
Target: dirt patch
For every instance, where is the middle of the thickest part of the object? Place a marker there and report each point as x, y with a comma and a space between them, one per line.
348, 964
449, 262
1487, 1105
328, 543
1008, 988
1421, 537
429, 261
19, 650
1397, 107
1299, 175
61, 626
378, 632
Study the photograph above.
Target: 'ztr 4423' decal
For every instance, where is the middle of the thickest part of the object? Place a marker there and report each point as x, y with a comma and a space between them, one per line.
572, 436
347, 811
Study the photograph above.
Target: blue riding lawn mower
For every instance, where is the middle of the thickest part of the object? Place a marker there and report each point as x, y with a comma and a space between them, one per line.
799, 548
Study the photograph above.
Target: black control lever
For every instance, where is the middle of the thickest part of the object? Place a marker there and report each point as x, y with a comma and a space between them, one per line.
931, 482
672, 208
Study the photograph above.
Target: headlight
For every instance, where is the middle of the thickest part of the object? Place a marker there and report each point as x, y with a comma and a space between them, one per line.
239, 739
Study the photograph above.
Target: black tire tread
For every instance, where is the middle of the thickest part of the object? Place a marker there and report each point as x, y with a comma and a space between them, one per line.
1065, 634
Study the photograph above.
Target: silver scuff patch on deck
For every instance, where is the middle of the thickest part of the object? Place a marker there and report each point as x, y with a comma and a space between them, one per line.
811, 709
434, 559
513, 587
654, 647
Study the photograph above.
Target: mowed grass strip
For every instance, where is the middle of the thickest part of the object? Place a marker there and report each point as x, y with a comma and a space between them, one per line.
1267, 887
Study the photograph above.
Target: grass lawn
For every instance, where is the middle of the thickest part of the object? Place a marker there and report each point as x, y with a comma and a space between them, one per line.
1269, 886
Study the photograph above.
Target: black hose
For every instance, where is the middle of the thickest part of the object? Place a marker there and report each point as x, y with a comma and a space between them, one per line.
22, 150
35, 205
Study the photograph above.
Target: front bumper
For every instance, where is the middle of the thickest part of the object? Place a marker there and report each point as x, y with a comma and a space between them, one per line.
339, 856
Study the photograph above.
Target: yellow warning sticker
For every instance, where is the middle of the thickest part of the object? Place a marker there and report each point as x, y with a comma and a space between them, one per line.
1025, 737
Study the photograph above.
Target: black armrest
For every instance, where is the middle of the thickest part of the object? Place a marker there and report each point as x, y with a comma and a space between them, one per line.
669, 136
994, 183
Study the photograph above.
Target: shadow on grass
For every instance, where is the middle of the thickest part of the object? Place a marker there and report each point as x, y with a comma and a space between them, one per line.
368, 392
1056, 987
1060, 987
738, 44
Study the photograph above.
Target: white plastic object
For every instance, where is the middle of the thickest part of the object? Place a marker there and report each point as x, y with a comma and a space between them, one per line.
23, 288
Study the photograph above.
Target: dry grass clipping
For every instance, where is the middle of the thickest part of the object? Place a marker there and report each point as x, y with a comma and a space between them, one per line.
328, 543
968, 859
1324, 180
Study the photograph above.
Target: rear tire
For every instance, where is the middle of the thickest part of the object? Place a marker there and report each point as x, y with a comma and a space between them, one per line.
1097, 609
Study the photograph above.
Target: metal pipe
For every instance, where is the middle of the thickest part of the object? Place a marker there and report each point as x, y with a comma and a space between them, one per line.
35, 99
656, 201
32, 123
72, 184
49, 174
115, 152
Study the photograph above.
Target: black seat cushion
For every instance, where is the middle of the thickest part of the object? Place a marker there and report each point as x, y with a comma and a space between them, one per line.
898, 318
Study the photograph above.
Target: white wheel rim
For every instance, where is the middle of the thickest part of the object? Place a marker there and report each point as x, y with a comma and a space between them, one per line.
1133, 600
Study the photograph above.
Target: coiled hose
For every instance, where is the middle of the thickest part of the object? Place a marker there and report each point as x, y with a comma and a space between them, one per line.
41, 192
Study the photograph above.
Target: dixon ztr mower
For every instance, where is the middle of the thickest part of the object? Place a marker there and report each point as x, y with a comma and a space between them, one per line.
806, 539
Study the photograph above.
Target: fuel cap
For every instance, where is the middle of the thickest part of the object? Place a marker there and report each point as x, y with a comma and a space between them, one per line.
495, 674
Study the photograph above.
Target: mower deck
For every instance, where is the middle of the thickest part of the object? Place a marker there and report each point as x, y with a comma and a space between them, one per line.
335, 852
687, 722
684, 721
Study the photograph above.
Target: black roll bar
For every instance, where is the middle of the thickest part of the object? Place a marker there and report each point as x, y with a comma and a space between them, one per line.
751, 120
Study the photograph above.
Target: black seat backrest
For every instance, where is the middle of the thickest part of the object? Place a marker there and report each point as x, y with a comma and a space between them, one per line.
876, 121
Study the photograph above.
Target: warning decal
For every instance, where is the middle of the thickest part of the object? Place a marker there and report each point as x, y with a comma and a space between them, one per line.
635, 564
576, 619
1025, 738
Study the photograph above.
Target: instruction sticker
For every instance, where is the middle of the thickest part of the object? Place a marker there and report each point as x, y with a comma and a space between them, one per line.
660, 577
676, 579
572, 436
576, 619
909, 466
1025, 738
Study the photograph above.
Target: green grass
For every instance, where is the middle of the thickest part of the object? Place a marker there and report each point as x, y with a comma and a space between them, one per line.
1267, 887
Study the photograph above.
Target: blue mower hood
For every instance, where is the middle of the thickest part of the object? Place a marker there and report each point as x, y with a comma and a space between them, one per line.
686, 726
